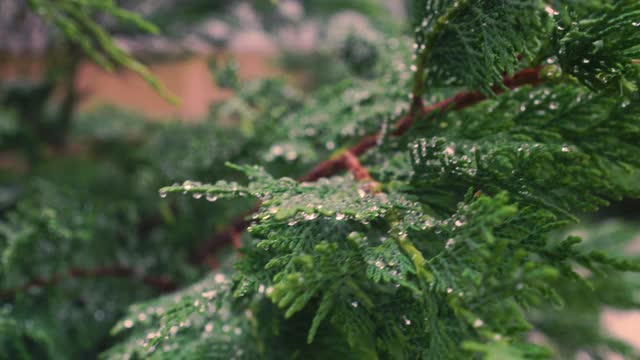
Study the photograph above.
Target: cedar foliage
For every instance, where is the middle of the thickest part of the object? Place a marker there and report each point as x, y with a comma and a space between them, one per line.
426, 210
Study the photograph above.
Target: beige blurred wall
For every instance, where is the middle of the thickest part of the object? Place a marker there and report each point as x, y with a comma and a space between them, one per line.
188, 79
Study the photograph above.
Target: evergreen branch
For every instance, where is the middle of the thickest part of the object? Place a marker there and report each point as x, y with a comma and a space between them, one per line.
160, 283
529, 76
460, 101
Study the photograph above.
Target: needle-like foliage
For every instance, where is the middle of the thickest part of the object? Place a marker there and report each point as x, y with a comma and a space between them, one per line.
446, 253
426, 210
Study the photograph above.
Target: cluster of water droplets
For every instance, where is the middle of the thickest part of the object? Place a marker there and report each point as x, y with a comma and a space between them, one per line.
211, 316
337, 199
436, 157
284, 151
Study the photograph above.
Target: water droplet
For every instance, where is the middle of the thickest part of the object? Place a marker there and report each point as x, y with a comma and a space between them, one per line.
311, 216
173, 330
450, 243
277, 150
330, 145
449, 151
291, 155
208, 294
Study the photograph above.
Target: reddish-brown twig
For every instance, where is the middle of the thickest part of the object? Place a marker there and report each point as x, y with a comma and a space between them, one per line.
358, 171
159, 283
417, 110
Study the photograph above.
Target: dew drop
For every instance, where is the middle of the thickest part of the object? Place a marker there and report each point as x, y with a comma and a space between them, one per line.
330, 145
208, 294
311, 216
291, 155
449, 151
450, 243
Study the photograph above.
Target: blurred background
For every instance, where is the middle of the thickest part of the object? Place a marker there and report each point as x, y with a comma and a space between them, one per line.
84, 150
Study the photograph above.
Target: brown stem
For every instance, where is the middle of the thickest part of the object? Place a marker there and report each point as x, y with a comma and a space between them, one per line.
456, 102
160, 283
344, 161
358, 171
